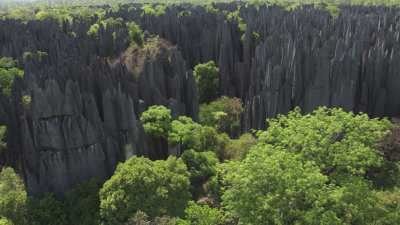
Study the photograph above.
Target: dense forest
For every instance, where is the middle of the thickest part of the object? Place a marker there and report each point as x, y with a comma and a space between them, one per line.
172, 112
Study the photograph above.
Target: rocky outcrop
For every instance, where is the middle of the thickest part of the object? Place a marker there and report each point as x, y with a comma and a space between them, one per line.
304, 57
308, 58
75, 116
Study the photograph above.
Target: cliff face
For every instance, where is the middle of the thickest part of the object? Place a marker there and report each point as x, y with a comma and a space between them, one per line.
304, 57
309, 59
75, 113
75, 116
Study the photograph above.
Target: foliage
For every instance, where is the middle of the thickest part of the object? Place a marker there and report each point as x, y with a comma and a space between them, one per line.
38, 55
8, 72
13, 197
93, 30
234, 16
224, 114
196, 214
309, 169
389, 201
141, 218
82, 203
155, 187
271, 183
212, 141
158, 10
201, 165
207, 80
185, 132
26, 100
237, 149
5, 221
157, 121
135, 33
341, 144
211, 9
46, 209
3, 143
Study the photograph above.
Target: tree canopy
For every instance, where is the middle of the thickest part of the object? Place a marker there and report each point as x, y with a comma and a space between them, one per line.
207, 79
154, 187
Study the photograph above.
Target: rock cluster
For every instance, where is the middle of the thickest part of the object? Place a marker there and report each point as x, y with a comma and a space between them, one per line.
305, 57
75, 116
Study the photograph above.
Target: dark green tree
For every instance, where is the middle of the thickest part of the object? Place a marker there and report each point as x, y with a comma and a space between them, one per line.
8, 72
207, 79
46, 209
82, 203
201, 166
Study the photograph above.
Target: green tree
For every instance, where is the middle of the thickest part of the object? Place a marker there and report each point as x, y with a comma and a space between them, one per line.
141, 218
272, 186
224, 114
13, 196
155, 187
191, 135
308, 169
82, 203
46, 209
341, 144
207, 79
237, 149
389, 201
201, 165
196, 214
135, 33
353, 202
157, 121
186, 133
8, 72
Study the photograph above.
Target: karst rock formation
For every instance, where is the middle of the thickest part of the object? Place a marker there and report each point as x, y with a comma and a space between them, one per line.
87, 93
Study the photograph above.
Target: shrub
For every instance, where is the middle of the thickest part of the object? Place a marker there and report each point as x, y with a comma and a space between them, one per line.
94, 30
224, 114
237, 149
135, 33
158, 10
